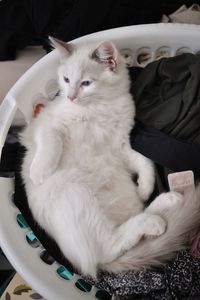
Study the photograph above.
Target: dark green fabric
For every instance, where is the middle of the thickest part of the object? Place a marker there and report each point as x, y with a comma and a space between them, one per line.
167, 95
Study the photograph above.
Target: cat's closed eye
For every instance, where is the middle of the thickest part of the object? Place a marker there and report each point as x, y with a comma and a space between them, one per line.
86, 82
66, 79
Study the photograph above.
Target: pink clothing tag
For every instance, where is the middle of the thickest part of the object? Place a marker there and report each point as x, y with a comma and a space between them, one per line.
181, 181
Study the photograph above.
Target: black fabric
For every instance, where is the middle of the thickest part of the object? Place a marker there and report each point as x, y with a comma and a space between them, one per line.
167, 97
176, 154
25, 21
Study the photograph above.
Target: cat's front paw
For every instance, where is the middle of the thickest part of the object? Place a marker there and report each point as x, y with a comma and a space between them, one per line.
154, 225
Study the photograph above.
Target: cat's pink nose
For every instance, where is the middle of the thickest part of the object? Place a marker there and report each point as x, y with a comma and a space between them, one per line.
71, 97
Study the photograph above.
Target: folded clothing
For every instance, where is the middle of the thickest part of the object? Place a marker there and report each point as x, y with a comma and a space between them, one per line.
167, 96
174, 153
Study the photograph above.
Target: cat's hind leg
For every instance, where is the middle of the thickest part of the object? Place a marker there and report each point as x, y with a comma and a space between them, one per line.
127, 235
91, 238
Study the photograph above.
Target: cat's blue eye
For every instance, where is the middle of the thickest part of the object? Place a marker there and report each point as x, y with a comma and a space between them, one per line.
66, 79
86, 83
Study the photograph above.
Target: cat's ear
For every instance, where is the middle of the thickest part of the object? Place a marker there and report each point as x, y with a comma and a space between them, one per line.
106, 53
65, 49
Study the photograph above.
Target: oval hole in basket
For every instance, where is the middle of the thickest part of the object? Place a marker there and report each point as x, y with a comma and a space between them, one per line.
83, 285
64, 273
103, 295
183, 50
21, 221
144, 56
163, 51
32, 240
46, 257
128, 56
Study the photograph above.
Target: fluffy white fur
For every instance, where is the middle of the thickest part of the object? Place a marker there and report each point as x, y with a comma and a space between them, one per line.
78, 167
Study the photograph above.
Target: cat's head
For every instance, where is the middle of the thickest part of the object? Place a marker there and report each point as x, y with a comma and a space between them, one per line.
91, 72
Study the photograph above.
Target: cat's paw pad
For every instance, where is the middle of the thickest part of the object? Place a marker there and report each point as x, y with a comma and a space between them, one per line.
154, 225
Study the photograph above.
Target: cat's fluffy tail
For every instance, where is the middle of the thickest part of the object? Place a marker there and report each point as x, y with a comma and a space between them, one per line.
182, 220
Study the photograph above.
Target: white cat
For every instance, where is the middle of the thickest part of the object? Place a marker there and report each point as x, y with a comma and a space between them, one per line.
78, 170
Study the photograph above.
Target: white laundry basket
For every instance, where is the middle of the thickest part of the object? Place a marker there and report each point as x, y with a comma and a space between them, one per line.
140, 44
